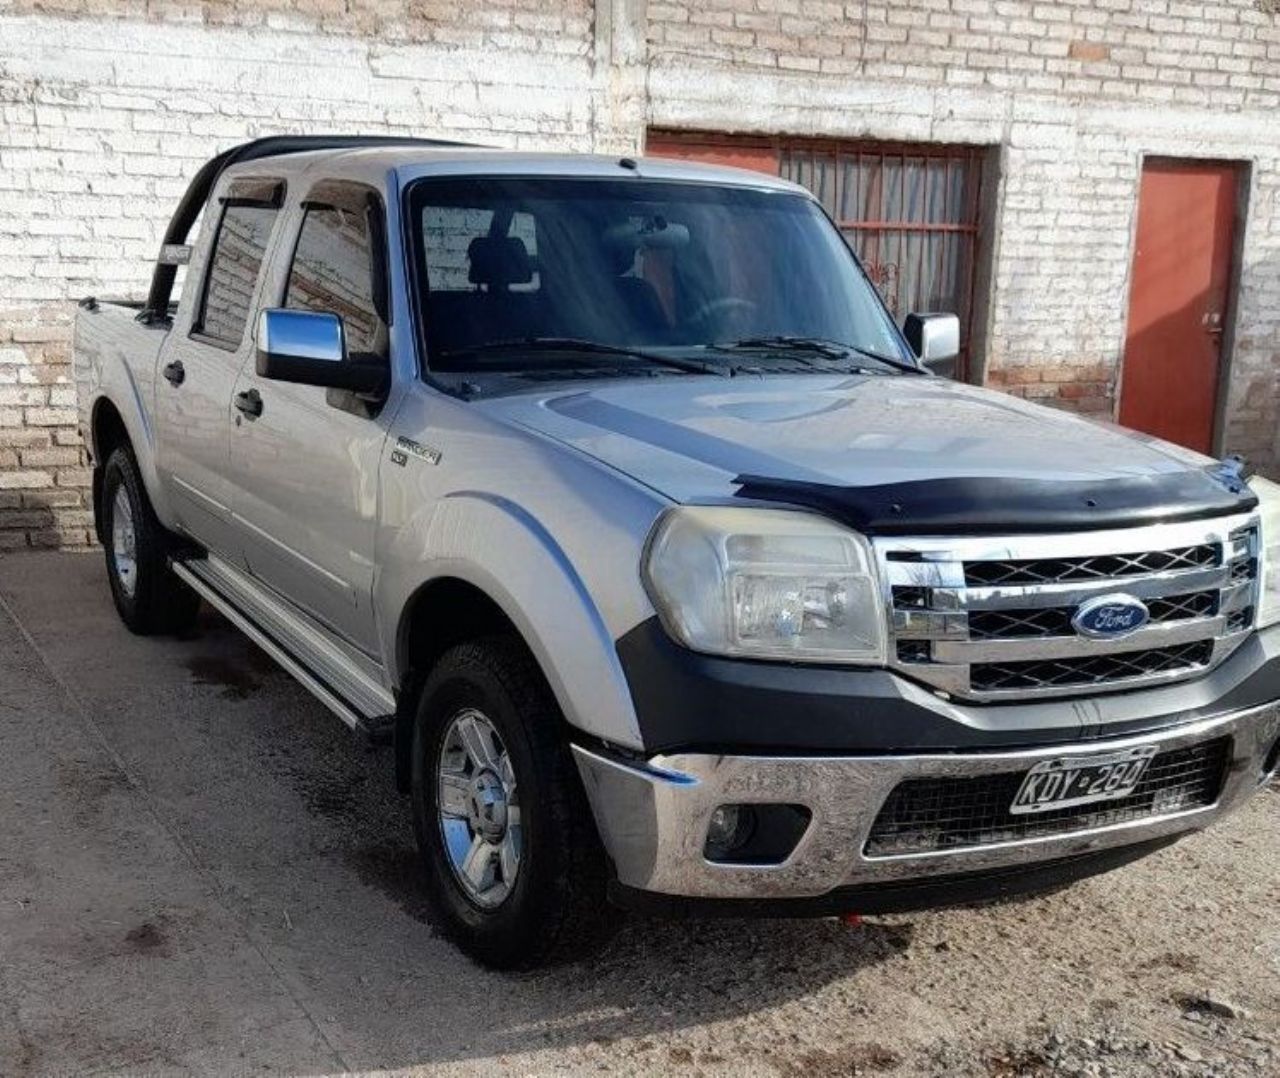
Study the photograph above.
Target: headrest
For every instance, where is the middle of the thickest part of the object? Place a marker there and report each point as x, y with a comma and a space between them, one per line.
499, 261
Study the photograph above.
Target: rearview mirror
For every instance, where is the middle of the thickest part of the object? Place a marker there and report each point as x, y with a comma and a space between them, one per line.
935, 338
310, 349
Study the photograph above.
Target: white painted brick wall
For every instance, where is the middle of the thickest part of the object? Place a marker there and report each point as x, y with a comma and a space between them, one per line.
109, 106
1075, 94
103, 120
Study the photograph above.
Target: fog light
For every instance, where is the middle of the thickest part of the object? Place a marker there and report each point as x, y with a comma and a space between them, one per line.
755, 834
730, 827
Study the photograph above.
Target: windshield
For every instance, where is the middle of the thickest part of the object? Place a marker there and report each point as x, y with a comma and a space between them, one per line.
592, 269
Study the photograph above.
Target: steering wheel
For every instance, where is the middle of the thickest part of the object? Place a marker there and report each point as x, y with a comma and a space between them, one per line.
724, 308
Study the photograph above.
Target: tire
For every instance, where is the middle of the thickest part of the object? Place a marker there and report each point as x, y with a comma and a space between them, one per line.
553, 906
148, 597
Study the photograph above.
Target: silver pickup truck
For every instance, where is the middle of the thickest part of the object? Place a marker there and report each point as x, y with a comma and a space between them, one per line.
611, 493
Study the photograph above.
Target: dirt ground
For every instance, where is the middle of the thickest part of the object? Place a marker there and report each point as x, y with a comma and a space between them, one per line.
201, 871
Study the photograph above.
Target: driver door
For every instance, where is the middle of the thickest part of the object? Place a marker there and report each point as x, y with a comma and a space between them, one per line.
305, 466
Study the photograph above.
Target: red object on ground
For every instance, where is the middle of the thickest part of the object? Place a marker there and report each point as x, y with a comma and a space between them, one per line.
853, 920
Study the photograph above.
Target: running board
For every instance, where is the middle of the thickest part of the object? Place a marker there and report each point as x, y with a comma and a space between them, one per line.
374, 727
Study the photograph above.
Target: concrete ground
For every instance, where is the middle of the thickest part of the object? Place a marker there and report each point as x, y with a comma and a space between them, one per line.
202, 871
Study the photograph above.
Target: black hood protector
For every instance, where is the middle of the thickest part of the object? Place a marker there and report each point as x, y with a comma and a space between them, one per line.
994, 505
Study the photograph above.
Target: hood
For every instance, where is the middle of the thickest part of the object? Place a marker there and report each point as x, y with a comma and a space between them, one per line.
689, 438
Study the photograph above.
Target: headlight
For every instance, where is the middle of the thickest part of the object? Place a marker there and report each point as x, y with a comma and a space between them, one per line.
766, 584
1269, 583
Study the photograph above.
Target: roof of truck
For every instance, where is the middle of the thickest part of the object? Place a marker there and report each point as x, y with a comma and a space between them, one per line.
411, 161
372, 158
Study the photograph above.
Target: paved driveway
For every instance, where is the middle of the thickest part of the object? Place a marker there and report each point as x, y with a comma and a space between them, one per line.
202, 871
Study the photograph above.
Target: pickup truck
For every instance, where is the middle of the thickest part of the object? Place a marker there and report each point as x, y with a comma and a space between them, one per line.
610, 493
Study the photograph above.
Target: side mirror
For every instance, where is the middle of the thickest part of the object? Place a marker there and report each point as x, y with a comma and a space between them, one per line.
935, 339
310, 348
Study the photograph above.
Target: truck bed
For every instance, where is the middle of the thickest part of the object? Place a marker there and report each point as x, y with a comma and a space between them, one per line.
109, 343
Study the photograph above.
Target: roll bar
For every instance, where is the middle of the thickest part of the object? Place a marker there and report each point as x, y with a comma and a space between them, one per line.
197, 194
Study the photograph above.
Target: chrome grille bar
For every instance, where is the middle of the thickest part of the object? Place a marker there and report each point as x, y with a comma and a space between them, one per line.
1143, 587
1199, 580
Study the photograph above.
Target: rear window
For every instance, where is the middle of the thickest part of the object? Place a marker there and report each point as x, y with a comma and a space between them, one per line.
234, 266
450, 233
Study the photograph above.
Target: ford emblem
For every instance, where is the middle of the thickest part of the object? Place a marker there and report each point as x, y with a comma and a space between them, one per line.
1109, 616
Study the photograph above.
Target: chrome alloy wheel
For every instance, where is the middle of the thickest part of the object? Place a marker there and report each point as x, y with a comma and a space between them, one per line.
124, 542
478, 808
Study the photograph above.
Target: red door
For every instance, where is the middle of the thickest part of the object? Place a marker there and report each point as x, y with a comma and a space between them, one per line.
1179, 299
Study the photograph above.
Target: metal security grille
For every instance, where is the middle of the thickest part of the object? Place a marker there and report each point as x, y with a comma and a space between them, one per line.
925, 815
909, 211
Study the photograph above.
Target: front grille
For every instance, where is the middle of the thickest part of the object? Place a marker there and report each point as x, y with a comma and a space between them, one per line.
992, 619
1096, 567
928, 815
1089, 669
1056, 620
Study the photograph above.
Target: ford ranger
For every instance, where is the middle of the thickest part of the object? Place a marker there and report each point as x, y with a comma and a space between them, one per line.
611, 494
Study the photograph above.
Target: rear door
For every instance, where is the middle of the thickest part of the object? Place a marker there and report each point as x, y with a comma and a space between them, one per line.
305, 469
202, 357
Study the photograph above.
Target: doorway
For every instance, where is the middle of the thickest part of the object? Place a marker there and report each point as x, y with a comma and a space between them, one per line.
1181, 299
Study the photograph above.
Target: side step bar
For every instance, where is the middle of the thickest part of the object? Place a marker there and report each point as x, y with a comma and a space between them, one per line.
377, 728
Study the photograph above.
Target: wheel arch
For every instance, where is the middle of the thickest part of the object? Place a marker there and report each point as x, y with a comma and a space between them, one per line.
442, 613
107, 429
111, 426
496, 569
107, 432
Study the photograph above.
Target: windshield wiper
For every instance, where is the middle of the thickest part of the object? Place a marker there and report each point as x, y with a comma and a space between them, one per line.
581, 346
818, 346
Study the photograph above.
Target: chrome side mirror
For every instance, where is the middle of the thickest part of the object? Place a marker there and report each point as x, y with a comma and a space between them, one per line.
935, 338
310, 349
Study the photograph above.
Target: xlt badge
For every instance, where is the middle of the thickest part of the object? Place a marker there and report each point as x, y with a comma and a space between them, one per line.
407, 447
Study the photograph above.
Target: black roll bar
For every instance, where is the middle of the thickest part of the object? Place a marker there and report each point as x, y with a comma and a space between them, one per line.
197, 194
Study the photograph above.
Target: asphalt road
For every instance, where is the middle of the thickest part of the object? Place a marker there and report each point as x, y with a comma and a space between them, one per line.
201, 871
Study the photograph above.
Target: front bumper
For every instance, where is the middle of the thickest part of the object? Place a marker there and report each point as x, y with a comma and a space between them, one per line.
653, 816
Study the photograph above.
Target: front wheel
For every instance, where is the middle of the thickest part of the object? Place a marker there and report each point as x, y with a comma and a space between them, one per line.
148, 597
515, 871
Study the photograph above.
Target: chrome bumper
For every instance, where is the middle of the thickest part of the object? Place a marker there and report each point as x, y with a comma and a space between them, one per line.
653, 816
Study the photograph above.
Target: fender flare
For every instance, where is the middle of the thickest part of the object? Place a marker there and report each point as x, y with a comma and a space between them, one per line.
498, 547
141, 434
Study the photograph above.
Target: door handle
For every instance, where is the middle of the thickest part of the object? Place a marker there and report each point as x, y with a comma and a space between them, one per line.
175, 372
250, 403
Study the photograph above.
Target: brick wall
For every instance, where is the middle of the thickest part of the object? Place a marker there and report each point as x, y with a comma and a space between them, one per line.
1224, 55
108, 106
1073, 95
107, 109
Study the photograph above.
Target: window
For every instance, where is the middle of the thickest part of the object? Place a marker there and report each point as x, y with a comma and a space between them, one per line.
236, 261
911, 211
631, 264
332, 272
450, 232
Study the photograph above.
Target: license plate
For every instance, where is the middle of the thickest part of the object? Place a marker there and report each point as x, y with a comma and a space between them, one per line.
1081, 780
